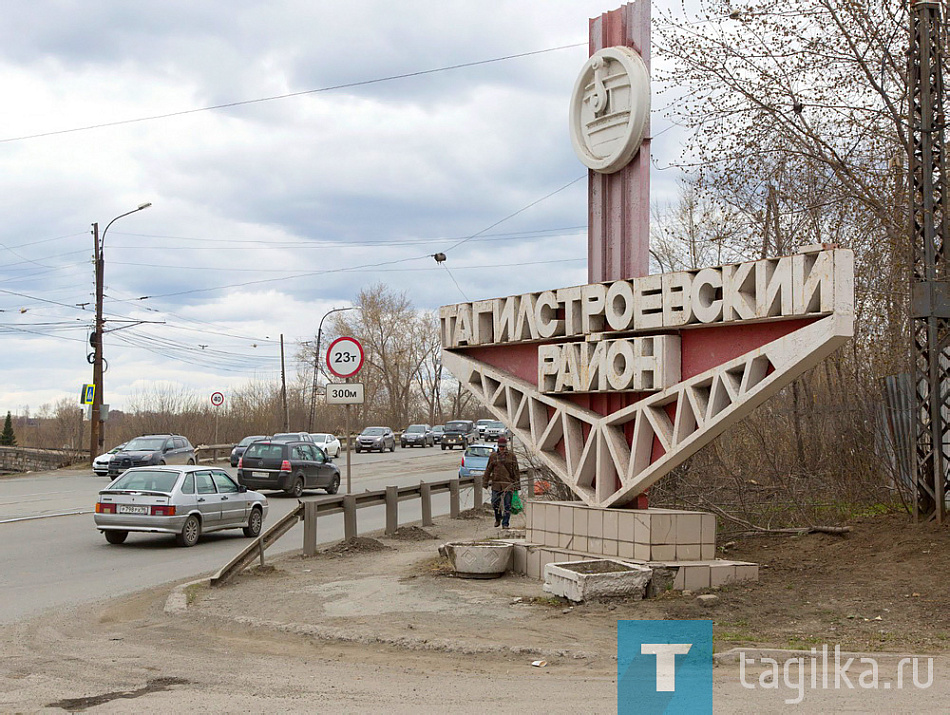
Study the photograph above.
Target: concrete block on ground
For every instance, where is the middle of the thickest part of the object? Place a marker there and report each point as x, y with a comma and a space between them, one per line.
587, 580
688, 552
721, 574
534, 563
663, 552
695, 577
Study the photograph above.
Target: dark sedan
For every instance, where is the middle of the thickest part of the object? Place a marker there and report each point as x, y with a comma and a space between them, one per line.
291, 467
242, 445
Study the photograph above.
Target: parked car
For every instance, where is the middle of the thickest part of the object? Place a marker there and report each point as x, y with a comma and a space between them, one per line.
496, 429
437, 434
151, 450
475, 459
242, 445
290, 467
480, 426
185, 501
414, 435
327, 442
459, 433
100, 465
381, 438
292, 437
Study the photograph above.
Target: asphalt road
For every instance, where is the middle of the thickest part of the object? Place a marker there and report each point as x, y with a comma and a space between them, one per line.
53, 556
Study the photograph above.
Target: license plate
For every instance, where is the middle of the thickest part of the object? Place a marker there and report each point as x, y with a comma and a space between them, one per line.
126, 509
476, 472
263, 475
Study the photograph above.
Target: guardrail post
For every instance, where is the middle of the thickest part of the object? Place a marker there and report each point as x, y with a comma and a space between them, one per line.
349, 516
425, 495
454, 507
392, 510
477, 484
310, 528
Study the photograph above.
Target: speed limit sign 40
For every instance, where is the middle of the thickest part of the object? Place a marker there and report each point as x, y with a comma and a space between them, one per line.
345, 357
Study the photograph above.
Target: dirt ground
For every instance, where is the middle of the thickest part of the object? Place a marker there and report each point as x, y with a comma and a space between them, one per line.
381, 625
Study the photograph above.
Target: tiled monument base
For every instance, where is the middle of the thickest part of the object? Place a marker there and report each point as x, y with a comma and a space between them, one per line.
682, 541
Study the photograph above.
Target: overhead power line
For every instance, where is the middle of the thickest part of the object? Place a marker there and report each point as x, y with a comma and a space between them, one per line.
288, 95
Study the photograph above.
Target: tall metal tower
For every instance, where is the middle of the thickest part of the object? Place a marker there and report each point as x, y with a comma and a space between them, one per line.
930, 290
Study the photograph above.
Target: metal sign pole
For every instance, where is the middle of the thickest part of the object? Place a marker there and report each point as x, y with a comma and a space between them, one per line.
349, 484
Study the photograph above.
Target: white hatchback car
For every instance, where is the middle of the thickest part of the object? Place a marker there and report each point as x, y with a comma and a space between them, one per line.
100, 465
327, 442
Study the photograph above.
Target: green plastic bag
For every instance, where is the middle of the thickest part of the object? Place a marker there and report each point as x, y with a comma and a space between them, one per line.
516, 506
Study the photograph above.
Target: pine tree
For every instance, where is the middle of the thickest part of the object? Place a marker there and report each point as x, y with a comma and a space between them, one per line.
7, 438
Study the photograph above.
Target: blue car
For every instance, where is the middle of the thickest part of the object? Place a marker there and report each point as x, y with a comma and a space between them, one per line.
475, 459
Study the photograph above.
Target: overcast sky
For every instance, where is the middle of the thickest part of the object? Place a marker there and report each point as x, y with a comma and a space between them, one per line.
267, 214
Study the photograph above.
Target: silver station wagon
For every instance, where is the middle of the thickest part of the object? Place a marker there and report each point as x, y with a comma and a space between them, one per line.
186, 501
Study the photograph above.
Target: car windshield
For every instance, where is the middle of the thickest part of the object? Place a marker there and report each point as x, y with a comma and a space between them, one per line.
320, 437
286, 437
495, 425
145, 444
456, 426
247, 440
478, 451
440, 428
146, 480
416, 428
374, 431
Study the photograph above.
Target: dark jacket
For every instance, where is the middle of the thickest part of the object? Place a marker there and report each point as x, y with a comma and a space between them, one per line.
501, 472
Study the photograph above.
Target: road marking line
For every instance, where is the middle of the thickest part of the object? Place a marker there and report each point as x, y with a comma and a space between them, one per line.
45, 516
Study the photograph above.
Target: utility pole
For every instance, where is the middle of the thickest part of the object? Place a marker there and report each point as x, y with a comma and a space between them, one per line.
930, 290
283, 386
96, 438
96, 429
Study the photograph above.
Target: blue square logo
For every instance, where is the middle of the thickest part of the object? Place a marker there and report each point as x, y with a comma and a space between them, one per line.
664, 667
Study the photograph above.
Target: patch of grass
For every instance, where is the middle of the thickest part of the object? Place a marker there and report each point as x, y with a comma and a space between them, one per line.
194, 592
435, 566
804, 642
550, 601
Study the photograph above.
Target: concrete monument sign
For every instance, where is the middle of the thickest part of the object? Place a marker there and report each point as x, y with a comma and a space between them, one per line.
614, 383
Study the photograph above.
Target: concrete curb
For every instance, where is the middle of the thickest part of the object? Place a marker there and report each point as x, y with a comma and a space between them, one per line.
177, 601
411, 643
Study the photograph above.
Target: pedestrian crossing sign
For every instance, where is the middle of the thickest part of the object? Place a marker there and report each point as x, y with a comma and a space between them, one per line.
88, 393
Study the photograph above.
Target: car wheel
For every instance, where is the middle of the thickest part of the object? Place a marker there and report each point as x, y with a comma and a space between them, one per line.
254, 524
334, 485
296, 489
189, 532
191, 462
393, 448
443, 447
162, 463
116, 537
357, 449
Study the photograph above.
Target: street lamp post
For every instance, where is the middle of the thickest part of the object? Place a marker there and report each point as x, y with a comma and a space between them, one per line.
96, 433
316, 364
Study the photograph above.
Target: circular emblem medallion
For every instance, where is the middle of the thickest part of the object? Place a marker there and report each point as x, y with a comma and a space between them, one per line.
610, 107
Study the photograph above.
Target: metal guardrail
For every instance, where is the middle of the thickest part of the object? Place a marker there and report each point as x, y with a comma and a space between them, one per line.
256, 548
348, 505
202, 450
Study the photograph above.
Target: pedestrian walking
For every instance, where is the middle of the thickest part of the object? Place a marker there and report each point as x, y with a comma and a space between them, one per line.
502, 475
